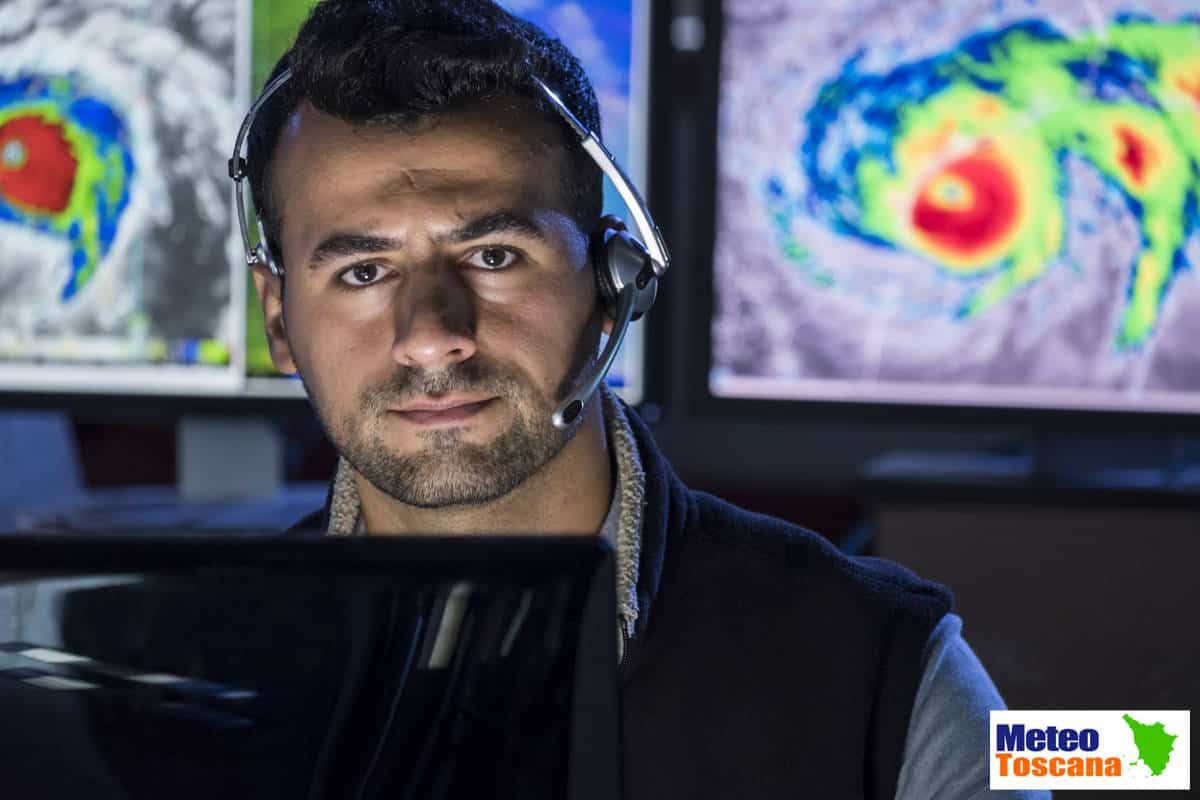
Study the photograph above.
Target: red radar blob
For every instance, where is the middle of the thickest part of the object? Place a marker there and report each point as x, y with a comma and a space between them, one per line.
1136, 154
37, 168
985, 213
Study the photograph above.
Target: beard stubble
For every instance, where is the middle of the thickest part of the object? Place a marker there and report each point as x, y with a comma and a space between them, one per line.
448, 470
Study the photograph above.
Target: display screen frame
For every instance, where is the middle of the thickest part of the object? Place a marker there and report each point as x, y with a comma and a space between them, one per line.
35, 381
687, 50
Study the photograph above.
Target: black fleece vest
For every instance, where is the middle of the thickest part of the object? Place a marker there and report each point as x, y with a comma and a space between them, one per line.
772, 667
765, 664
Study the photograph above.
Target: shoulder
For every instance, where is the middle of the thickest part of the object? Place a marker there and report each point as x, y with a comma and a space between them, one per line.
945, 751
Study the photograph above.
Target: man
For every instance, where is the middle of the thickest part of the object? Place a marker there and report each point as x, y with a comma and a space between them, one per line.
433, 218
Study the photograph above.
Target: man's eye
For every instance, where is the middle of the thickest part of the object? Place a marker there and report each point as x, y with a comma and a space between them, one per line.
492, 258
362, 275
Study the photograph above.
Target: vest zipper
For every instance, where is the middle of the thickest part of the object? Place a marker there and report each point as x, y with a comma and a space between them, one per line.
623, 642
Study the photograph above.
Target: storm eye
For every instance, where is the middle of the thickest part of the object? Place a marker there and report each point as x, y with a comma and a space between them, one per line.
14, 154
38, 165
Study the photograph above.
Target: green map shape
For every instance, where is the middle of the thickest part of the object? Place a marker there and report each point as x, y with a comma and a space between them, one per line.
1153, 742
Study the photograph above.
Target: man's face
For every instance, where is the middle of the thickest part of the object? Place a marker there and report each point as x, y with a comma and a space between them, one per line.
438, 297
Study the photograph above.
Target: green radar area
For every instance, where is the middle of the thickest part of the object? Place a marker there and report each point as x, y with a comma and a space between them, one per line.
959, 158
1154, 744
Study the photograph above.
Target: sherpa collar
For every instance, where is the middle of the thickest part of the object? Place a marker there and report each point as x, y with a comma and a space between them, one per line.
629, 496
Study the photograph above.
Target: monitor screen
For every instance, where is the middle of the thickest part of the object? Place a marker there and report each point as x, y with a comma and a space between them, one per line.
120, 268
980, 203
117, 268
185, 666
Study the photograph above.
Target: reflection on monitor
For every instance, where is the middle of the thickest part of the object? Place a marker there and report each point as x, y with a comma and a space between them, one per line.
607, 36
982, 203
115, 226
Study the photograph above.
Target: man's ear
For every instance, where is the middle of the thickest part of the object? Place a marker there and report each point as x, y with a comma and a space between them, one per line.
270, 295
608, 222
607, 325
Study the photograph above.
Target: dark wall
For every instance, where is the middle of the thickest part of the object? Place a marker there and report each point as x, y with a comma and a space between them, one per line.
1090, 607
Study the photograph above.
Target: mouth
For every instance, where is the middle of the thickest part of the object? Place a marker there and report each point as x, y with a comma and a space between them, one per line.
442, 411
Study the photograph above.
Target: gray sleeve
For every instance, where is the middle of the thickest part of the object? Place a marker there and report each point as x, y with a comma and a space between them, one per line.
946, 752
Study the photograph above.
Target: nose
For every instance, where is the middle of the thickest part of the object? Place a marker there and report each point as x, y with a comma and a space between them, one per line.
435, 321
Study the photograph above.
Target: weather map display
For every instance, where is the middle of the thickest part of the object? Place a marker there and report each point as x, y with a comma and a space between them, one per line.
606, 35
947, 202
116, 236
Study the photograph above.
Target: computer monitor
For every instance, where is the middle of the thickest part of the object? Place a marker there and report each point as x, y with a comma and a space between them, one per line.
194, 667
120, 271
987, 205
118, 267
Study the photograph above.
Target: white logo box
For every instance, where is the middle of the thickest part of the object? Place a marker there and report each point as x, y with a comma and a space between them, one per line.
1115, 740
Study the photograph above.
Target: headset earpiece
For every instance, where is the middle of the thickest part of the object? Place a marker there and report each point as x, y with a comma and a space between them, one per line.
622, 261
262, 251
264, 254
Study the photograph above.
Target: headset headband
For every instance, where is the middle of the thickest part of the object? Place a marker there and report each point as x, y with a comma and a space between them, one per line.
647, 231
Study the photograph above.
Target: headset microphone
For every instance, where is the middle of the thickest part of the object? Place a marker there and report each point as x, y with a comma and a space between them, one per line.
627, 269
625, 303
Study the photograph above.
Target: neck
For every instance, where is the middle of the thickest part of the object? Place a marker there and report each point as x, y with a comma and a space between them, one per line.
569, 495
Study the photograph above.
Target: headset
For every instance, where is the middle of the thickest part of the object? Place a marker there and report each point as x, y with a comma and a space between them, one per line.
627, 268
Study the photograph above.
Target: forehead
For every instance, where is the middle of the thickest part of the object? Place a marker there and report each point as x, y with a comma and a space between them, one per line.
487, 154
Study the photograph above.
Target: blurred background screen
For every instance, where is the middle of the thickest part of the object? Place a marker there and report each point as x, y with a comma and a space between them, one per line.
117, 268
959, 203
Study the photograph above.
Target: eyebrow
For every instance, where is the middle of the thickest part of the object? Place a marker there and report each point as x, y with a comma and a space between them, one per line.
497, 222
344, 244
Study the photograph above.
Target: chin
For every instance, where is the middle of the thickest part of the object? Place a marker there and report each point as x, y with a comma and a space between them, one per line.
423, 441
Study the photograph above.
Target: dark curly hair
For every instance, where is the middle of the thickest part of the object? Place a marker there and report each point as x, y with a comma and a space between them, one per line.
394, 62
